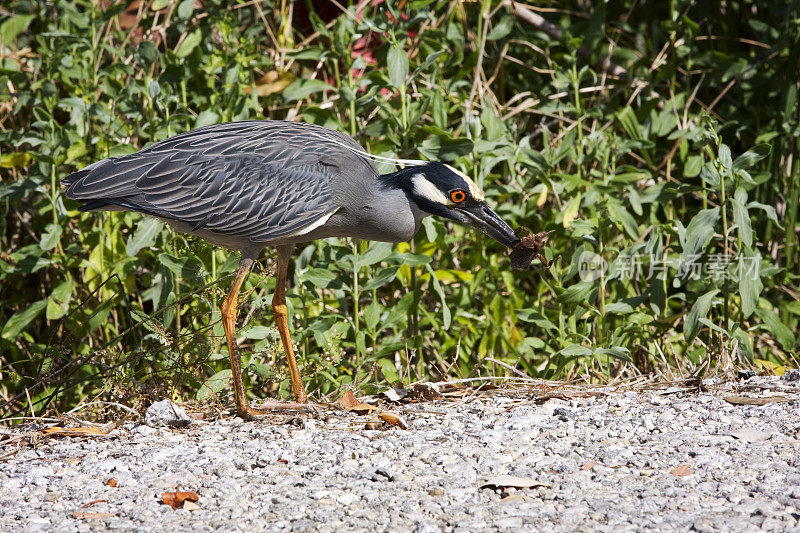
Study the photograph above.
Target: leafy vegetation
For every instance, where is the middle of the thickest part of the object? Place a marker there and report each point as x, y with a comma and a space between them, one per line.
660, 140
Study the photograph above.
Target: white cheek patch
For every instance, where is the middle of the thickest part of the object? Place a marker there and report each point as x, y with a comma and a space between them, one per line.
426, 189
474, 190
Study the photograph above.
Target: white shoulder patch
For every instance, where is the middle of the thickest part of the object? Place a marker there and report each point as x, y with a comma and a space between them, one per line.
474, 190
314, 225
428, 190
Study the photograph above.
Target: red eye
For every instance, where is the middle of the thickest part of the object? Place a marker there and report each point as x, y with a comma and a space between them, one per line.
458, 196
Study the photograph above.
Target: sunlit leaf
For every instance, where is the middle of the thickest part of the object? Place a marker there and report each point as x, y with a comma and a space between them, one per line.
397, 61
300, 89
700, 308
189, 43
144, 236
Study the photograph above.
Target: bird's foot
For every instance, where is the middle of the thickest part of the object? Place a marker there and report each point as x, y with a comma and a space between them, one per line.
266, 408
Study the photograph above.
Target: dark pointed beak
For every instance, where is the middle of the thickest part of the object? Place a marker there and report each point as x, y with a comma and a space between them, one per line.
482, 217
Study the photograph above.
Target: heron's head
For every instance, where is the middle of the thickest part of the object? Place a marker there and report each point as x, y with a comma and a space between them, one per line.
441, 190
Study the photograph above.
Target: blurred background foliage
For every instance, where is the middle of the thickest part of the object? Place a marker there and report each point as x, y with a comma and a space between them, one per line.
660, 140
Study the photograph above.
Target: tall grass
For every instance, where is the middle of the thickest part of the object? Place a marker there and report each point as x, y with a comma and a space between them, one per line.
661, 142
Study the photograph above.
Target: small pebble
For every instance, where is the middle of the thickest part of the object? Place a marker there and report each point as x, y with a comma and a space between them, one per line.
642, 460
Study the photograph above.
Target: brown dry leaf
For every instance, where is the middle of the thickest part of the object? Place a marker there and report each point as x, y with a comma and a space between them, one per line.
75, 432
176, 499
681, 471
80, 515
427, 392
746, 400
349, 402
390, 417
271, 83
92, 503
111, 482
588, 466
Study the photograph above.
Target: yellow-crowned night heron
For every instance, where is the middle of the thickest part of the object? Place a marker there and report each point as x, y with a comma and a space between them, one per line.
247, 185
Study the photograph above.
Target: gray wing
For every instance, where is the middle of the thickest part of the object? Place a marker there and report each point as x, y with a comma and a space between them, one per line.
260, 180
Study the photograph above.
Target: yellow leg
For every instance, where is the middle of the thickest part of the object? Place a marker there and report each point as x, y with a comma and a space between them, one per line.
279, 312
229, 311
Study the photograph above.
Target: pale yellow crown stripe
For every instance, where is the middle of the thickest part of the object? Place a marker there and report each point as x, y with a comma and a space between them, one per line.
474, 190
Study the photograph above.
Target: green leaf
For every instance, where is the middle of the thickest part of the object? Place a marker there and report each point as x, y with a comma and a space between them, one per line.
768, 210
299, 89
20, 320
372, 314
443, 148
185, 266
383, 277
437, 287
627, 117
15, 160
750, 285
12, 27
389, 371
725, 157
185, 9
214, 384
623, 217
255, 333
618, 308
413, 260
710, 175
576, 350
51, 237
376, 253
144, 236
699, 233
397, 65
692, 166
751, 157
325, 279
691, 326
502, 28
206, 117
617, 352
778, 329
571, 210
742, 219
58, 301
398, 313
575, 294
189, 43
75, 151
745, 342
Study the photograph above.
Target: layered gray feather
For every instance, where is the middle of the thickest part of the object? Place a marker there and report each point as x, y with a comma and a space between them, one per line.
254, 180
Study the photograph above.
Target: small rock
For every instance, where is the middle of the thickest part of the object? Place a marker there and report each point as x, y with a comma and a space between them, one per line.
791, 375
745, 374
381, 474
166, 413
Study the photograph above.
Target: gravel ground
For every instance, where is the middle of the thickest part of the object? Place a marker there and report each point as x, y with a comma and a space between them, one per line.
624, 461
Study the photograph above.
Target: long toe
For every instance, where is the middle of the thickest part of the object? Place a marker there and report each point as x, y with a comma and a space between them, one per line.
276, 407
